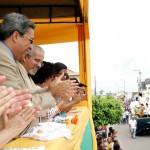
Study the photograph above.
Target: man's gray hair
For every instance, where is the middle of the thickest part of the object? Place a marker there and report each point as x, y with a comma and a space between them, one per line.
14, 22
39, 48
31, 52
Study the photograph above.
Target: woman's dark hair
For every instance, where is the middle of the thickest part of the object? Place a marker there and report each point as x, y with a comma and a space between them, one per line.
45, 72
116, 145
58, 66
111, 129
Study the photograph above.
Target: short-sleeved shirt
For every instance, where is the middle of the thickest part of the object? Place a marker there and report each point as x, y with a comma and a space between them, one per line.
133, 123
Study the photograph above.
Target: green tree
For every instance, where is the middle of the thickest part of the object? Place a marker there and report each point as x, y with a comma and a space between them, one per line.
106, 110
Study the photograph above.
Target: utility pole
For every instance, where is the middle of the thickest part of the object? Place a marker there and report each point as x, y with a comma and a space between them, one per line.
123, 85
139, 80
118, 87
95, 85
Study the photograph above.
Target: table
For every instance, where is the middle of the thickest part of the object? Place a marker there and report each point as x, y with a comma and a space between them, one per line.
81, 138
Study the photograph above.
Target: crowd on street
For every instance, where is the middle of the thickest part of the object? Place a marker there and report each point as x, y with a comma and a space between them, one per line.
107, 138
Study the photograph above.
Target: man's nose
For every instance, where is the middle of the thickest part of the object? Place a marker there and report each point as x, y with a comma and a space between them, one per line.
39, 65
31, 47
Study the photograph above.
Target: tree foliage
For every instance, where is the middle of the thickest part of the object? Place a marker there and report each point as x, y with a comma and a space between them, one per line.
106, 110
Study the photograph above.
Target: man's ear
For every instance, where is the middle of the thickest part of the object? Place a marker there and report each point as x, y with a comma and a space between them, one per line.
15, 36
23, 58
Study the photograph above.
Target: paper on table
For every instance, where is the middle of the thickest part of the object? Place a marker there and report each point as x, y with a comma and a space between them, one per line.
48, 131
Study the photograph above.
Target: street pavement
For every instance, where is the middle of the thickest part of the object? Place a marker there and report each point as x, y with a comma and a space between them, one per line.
128, 143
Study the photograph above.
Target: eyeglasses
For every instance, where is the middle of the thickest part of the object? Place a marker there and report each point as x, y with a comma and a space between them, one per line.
38, 61
30, 39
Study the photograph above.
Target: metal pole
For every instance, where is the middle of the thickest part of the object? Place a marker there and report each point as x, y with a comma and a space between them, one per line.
94, 85
124, 85
139, 80
118, 86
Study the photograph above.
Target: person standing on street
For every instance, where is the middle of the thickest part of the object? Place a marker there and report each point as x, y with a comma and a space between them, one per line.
127, 116
133, 126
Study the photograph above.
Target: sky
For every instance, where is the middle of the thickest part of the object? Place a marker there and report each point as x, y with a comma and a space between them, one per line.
119, 44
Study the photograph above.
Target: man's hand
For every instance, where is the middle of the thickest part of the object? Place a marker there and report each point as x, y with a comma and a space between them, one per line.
12, 100
20, 120
21, 99
2, 78
79, 96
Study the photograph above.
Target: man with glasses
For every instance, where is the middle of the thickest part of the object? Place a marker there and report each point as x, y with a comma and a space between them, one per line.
33, 59
14, 42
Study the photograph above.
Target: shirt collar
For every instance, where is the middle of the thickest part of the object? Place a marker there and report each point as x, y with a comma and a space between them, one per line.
8, 49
